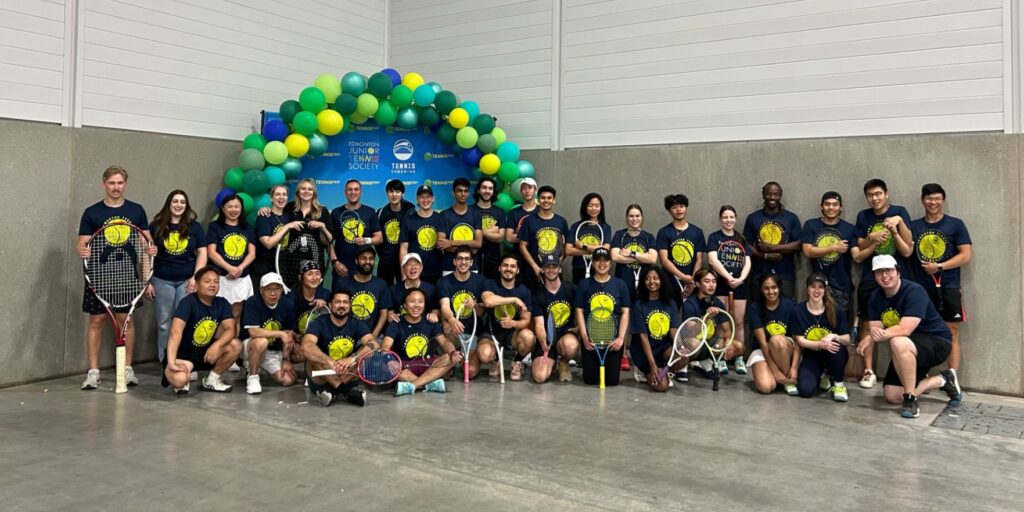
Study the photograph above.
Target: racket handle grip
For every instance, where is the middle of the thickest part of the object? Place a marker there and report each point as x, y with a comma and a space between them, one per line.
465, 370
322, 373
601, 385
121, 385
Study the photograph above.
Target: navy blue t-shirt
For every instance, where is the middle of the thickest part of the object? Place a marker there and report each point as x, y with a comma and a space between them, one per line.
368, 299
682, 246
363, 226
868, 222
641, 243
728, 255
935, 243
390, 223
559, 304
910, 300
612, 295
836, 266
490, 217
694, 307
269, 226
411, 340
816, 327
303, 306
458, 291
201, 324
544, 236
98, 215
515, 216
176, 257
590, 239
231, 242
256, 314
654, 318
460, 228
775, 322
518, 291
773, 228
398, 290
338, 342
421, 235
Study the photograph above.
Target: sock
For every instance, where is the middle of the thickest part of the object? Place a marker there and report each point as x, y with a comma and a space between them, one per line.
213, 375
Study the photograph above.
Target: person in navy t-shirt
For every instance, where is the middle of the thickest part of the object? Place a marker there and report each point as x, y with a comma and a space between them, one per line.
462, 228
543, 232
775, 362
591, 210
352, 232
829, 242
774, 236
681, 246
419, 234
417, 342
511, 310
655, 317
602, 291
822, 332
492, 227
335, 342
269, 335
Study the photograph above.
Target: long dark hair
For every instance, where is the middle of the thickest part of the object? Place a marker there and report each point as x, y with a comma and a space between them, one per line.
222, 218
586, 201
163, 217
664, 291
729, 208
761, 300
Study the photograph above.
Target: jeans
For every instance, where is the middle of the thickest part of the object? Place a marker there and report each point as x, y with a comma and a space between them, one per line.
166, 296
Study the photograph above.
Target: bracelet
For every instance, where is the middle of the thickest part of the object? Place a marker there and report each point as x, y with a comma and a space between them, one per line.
333, 262
368, 240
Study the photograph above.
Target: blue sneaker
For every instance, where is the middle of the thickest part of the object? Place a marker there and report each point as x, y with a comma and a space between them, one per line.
436, 386
404, 388
952, 387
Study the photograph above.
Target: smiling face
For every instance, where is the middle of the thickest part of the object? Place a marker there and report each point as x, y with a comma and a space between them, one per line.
634, 218
412, 269
179, 203
509, 269
815, 292
888, 280
546, 201
414, 304
593, 208
279, 197
114, 187
353, 192
232, 210
770, 290
425, 201
271, 294
312, 278
831, 209
341, 305
306, 192
365, 263
877, 198
463, 262
772, 195
933, 203
728, 220
652, 282
486, 191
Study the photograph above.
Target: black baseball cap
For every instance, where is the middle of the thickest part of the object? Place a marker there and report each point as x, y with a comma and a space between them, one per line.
602, 253
365, 248
549, 259
817, 277
424, 189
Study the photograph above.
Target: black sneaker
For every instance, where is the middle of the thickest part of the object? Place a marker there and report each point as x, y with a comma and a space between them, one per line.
682, 375
952, 387
356, 397
910, 408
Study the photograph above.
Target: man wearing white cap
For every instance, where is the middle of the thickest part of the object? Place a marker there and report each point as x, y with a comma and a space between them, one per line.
901, 313
528, 188
268, 321
412, 269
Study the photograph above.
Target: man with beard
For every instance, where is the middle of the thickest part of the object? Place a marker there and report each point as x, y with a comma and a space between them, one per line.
335, 342
511, 311
371, 298
555, 297
492, 223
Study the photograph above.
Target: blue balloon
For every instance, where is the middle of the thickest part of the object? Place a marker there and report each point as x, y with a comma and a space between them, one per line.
471, 157
221, 195
508, 151
275, 129
395, 77
471, 108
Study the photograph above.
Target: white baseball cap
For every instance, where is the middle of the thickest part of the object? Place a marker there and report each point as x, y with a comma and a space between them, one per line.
271, 278
528, 181
882, 262
411, 256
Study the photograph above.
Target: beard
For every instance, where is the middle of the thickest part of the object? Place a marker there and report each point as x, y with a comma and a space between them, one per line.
339, 316
366, 269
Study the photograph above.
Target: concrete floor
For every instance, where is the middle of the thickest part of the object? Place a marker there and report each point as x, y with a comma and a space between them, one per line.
491, 447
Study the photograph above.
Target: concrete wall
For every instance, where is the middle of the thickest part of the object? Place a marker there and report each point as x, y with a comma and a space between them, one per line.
981, 174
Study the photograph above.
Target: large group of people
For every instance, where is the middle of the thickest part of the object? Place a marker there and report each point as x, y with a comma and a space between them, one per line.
410, 279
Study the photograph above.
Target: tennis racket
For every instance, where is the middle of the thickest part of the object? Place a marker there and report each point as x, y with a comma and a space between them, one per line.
716, 340
375, 368
930, 249
499, 347
466, 340
686, 254
549, 327
310, 316
117, 271
688, 341
590, 235
351, 225
602, 328
302, 246
632, 243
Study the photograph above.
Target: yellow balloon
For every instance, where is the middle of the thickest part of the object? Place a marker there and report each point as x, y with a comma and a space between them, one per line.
298, 145
330, 122
458, 118
412, 80
489, 164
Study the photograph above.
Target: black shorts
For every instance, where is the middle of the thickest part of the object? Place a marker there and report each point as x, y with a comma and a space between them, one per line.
93, 306
864, 291
722, 289
952, 309
538, 351
931, 352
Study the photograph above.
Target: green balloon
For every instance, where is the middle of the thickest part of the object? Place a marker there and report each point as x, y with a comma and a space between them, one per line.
366, 104
233, 178
329, 85
247, 202
312, 100
499, 136
255, 182
466, 137
504, 202
345, 104
486, 143
353, 83
358, 118
250, 159
386, 113
429, 116
401, 96
288, 109
305, 123
254, 141
252, 216
483, 124
446, 101
317, 144
508, 172
291, 167
379, 85
446, 134
407, 118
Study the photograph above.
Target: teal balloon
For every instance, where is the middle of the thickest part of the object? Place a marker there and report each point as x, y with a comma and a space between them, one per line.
429, 116
312, 100
305, 123
446, 134
508, 172
275, 175
379, 85
505, 202
401, 96
445, 101
251, 216
386, 113
423, 95
466, 137
345, 104
233, 178
471, 108
407, 118
514, 191
353, 83
263, 201
288, 109
436, 87
317, 144
486, 144
483, 124
526, 169
508, 151
250, 159
255, 182
292, 167
254, 141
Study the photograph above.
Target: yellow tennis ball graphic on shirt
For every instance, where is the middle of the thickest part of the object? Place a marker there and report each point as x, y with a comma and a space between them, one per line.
462, 233
117, 233
340, 348
427, 238
488, 221
561, 312
353, 229
204, 332
817, 333
886, 247
272, 325
174, 244
416, 346
392, 229
890, 317
505, 310
303, 322
547, 240
682, 252
589, 240
931, 247
458, 300
775, 329
770, 234
657, 324
235, 246
285, 238
601, 305
363, 305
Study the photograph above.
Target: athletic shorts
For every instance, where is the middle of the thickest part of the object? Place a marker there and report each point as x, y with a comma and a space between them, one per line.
235, 290
418, 369
952, 309
538, 351
738, 293
931, 352
864, 291
93, 306
658, 349
271, 359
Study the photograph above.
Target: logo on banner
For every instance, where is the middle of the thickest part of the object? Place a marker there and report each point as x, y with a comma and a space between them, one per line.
402, 150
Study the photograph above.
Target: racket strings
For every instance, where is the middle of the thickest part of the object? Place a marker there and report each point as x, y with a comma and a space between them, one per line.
380, 367
601, 330
301, 247
118, 273
689, 336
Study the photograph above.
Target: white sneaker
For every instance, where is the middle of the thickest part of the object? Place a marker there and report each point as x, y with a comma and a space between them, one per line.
213, 383
869, 380
129, 377
723, 367
92, 379
791, 389
252, 385
194, 376
182, 390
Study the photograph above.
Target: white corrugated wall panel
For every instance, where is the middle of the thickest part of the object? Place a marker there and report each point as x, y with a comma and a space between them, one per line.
32, 60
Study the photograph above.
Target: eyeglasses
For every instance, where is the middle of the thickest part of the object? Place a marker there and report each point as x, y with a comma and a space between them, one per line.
875, 195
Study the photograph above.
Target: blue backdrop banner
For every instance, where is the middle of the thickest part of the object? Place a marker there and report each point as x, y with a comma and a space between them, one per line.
375, 154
